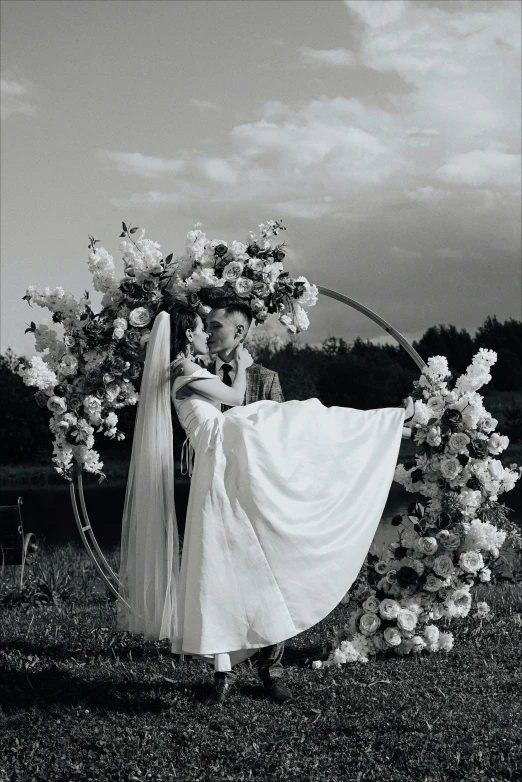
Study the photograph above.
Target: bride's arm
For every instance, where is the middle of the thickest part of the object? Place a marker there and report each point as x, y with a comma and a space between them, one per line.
212, 388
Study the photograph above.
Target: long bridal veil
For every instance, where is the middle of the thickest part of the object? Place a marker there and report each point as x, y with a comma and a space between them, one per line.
149, 565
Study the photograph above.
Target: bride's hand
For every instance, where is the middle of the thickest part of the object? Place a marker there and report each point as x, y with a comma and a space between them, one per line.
176, 367
242, 357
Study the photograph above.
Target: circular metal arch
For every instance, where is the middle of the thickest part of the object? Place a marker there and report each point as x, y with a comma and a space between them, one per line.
107, 574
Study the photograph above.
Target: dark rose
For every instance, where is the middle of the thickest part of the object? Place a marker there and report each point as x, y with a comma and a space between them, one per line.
127, 286
463, 458
134, 371
193, 299
117, 365
451, 417
57, 317
100, 393
80, 384
396, 520
473, 483
149, 285
406, 576
132, 337
444, 520
401, 552
417, 475
75, 401
253, 249
91, 328
41, 399
279, 255
479, 448
220, 250
441, 483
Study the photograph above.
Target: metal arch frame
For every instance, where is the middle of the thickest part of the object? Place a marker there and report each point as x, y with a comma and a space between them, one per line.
107, 574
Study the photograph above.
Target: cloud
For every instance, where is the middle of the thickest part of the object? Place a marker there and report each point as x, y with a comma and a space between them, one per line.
143, 165
17, 97
152, 198
331, 57
483, 167
216, 169
204, 105
378, 13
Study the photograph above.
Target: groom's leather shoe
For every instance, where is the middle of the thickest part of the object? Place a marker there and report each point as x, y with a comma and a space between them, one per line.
277, 692
221, 689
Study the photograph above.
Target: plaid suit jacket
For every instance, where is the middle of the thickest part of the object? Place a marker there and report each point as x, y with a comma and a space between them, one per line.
262, 383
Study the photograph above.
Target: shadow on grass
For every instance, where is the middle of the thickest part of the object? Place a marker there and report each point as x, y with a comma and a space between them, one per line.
20, 690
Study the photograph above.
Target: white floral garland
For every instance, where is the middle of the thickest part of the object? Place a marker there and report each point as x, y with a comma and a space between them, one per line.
87, 375
450, 543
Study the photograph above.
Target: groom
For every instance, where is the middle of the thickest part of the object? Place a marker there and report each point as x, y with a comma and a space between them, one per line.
227, 324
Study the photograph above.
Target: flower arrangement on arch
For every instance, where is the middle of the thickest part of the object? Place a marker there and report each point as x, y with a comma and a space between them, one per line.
87, 374
451, 542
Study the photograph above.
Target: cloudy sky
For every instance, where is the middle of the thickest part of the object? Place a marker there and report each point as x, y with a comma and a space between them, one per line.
386, 135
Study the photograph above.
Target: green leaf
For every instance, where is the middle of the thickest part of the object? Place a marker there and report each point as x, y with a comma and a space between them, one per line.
133, 230
169, 257
124, 227
121, 235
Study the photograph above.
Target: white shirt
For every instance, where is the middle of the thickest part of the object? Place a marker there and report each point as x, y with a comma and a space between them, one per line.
219, 371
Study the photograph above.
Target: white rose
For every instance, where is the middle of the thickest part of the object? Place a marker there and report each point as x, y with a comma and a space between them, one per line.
443, 566
118, 333
433, 437
369, 623
418, 643
471, 561
389, 608
243, 287
56, 404
485, 575
427, 545
68, 365
497, 443
406, 619
458, 442
451, 542
371, 604
120, 323
392, 636
450, 467
381, 567
139, 317
433, 584
233, 271
436, 405
487, 423
92, 405
112, 391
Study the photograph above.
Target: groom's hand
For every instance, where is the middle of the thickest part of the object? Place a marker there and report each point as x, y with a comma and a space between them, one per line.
176, 369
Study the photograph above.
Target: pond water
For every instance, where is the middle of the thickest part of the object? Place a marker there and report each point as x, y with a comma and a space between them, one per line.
47, 511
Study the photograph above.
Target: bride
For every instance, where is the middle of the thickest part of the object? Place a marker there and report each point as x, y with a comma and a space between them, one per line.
284, 503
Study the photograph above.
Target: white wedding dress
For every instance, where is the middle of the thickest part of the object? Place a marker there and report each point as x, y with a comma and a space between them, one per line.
284, 503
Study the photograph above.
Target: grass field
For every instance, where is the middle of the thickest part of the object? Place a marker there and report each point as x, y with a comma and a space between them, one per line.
80, 701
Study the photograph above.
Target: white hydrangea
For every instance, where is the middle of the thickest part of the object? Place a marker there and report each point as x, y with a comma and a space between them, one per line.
310, 295
301, 319
483, 536
38, 374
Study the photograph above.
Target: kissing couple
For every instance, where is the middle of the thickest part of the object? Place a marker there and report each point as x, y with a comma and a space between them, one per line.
284, 503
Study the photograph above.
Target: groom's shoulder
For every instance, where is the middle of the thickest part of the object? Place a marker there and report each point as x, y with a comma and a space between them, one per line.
261, 370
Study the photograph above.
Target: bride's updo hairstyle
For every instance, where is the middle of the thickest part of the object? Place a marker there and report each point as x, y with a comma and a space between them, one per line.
182, 318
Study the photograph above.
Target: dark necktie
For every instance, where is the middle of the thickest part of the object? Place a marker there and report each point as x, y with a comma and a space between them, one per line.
227, 369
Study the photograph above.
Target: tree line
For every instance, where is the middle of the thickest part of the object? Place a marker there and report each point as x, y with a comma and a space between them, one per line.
358, 374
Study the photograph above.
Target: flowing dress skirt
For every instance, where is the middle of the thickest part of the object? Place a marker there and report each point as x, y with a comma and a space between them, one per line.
284, 504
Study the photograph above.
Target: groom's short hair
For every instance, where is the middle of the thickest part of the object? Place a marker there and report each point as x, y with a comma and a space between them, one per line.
240, 308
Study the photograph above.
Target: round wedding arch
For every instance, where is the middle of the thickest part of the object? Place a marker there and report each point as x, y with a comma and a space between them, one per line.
105, 571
